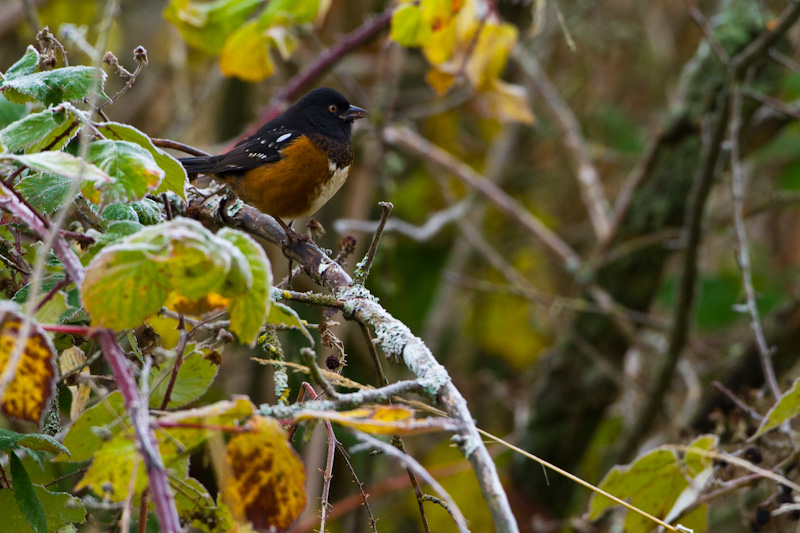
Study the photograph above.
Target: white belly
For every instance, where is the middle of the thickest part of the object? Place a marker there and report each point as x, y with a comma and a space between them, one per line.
330, 187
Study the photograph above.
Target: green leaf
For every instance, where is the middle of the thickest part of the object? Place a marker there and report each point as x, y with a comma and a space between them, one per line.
134, 170
10, 112
116, 212
174, 173
10, 440
409, 27
60, 510
206, 26
94, 427
125, 283
28, 64
248, 310
115, 232
68, 84
282, 314
130, 280
62, 164
285, 12
46, 284
25, 496
46, 192
196, 507
786, 408
148, 211
194, 378
51, 129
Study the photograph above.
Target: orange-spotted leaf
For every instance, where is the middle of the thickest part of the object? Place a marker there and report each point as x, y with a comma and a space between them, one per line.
33, 374
264, 481
383, 420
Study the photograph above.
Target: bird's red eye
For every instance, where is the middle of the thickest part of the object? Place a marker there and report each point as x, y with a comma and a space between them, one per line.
332, 108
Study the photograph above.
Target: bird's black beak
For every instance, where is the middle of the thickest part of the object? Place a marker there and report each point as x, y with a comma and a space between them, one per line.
354, 112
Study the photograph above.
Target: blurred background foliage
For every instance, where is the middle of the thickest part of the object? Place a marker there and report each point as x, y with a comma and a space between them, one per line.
618, 67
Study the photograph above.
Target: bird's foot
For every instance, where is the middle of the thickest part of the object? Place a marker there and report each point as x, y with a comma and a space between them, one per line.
292, 236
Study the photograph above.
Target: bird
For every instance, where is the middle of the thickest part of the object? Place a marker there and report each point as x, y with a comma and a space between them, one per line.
293, 164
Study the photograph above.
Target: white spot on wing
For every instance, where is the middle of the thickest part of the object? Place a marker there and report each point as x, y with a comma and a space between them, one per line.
283, 137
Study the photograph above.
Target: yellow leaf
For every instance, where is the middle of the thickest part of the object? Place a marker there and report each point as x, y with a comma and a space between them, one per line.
31, 386
490, 54
69, 360
506, 102
440, 47
439, 80
265, 479
382, 420
209, 302
246, 55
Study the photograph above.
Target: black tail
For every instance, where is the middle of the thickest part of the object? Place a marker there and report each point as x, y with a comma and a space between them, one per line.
198, 165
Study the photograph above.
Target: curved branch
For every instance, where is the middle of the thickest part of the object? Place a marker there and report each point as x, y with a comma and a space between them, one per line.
394, 337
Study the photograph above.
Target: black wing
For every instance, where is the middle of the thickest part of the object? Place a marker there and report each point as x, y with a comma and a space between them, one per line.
253, 152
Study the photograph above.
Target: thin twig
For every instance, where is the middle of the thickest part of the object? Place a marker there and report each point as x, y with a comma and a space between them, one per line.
410, 462
702, 22
709, 169
591, 188
743, 248
180, 351
175, 145
409, 140
739, 403
373, 353
363, 268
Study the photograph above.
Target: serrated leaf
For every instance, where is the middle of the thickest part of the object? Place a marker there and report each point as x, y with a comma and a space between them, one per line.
25, 496
46, 192
133, 168
174, 173
67, 84
33, 441
266, 481
124, 284
195, 376
206, 26
117, 462
27, 64
60, 510
249, 309
246, 55
282, 314
28, 392
51, 129
786, 408
201, 424
94, 427
46, 284
117, 212
148, 211
63, 164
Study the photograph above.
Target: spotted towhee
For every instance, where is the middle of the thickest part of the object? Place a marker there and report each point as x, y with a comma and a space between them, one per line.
295, 163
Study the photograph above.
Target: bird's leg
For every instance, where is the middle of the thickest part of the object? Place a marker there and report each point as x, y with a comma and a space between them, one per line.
291, 235
222, 211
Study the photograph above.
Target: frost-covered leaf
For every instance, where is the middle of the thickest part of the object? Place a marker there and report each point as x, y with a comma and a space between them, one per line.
46, 192
133, 168
51, 129
63, 164
51, 87
249, 307
174, 173
282, 314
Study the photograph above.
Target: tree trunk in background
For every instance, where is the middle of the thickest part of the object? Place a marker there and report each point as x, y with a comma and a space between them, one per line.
570, 393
